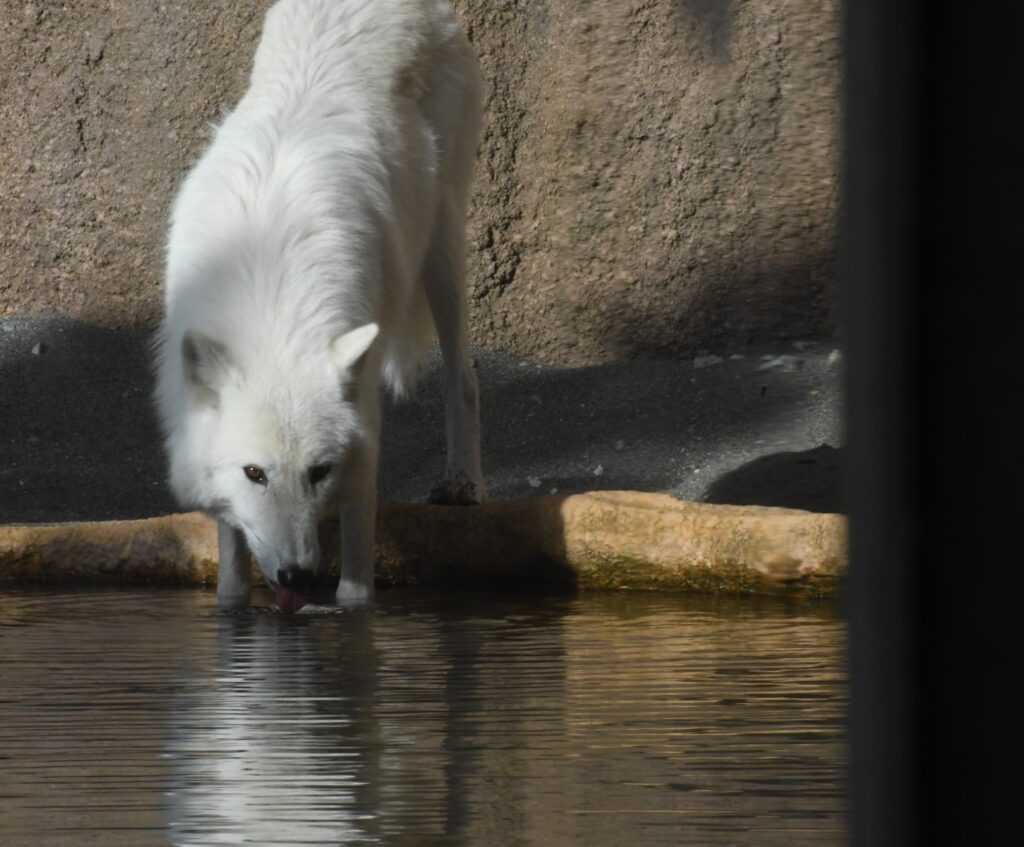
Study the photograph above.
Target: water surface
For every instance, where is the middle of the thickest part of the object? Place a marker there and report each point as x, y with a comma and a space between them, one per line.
148, 717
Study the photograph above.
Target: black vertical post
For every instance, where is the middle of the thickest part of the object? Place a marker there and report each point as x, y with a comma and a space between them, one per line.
877, 255
932, 263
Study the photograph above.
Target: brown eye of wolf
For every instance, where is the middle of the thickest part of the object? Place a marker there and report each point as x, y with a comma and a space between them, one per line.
317, 473
255, 474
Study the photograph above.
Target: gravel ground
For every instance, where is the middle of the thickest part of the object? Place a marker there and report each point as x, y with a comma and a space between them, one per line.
78, 438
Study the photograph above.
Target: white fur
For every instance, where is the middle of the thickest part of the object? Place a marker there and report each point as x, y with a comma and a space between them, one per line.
308, 250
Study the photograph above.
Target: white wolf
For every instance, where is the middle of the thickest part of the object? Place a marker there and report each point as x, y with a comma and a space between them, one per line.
308, 250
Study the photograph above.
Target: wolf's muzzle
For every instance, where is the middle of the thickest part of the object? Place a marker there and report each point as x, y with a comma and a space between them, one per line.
295, 578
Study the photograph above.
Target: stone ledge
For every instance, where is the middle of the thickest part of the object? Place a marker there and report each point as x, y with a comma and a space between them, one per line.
607, 539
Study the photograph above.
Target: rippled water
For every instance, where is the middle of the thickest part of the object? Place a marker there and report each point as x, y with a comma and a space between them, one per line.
135, 717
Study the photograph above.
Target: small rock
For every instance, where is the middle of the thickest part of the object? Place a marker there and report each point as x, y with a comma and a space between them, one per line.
784, 363
534, 482
38, 348
599, 470
554, 490
705, 361
736, 356
834, 358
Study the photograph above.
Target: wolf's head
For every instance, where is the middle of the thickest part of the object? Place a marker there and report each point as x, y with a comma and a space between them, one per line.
268, 450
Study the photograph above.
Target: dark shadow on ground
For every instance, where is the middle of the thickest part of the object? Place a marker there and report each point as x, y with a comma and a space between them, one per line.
647, 425
78, 432
803, 480
79, 438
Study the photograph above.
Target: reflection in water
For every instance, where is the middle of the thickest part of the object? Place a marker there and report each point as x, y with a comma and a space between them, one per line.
149, 717
264, 747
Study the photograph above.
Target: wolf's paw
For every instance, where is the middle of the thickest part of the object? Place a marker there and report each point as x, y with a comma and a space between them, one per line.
233, 602
354, 594
451, 492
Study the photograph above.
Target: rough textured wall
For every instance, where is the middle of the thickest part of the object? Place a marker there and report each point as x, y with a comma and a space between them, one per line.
656, 176
103, 106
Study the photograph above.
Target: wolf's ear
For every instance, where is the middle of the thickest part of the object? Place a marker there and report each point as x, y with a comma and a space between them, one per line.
348, 349
207, 364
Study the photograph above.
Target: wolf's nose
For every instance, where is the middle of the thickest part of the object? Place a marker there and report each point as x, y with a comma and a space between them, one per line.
294, 578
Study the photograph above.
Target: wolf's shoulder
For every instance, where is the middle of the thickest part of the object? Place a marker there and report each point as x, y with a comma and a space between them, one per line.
356, 21
372, 44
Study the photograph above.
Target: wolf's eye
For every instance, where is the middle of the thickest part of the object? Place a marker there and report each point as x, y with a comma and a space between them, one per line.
255, 474
317, 473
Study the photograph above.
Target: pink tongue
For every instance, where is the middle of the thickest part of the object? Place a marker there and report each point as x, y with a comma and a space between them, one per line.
288, 600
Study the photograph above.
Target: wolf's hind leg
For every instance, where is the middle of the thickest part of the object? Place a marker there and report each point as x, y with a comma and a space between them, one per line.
444, 277
234, 571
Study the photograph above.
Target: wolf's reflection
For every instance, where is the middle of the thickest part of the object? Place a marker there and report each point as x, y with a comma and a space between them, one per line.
402, 724
271, 748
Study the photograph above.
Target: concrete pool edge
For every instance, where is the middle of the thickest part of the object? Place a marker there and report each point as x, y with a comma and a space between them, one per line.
605, 539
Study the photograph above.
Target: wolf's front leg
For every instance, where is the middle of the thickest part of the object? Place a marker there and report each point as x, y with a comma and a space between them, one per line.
358, 514
234, 571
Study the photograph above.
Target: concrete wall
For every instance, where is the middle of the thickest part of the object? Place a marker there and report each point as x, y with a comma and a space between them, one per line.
656, 176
